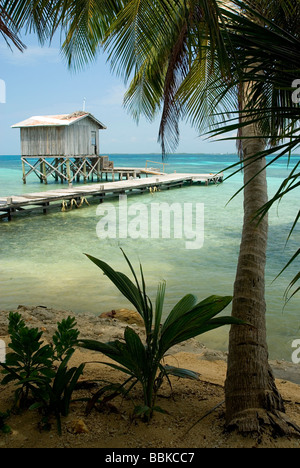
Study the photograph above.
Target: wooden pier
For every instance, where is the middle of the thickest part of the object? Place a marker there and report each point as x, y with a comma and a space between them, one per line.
76, 197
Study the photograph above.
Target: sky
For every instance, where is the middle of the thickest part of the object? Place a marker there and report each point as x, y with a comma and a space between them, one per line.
38, 82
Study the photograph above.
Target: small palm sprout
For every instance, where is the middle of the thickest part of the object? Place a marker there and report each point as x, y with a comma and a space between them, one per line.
142, 361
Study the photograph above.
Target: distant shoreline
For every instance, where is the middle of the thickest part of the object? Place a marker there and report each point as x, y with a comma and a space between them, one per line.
159, 154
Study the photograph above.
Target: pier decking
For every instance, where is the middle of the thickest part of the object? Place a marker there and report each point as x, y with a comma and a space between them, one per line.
67, 198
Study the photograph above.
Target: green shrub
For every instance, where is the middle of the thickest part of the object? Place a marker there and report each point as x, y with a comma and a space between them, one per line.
4, 428
65, 338
142, 361
55, 396
32, 365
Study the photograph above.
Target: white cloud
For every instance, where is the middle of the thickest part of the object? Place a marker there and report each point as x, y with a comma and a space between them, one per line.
30, 56
114, 96
133, 139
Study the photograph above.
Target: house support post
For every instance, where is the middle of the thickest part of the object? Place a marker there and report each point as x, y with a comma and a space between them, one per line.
24, 171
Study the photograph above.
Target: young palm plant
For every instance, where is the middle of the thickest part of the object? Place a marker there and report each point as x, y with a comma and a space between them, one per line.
142, 360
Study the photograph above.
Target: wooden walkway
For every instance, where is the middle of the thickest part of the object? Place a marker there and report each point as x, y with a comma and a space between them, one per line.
76, 197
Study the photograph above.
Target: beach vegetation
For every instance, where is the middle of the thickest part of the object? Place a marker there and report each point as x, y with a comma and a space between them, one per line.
54, 396
141, 359
39, 370
65, 338
29, 364
4, 427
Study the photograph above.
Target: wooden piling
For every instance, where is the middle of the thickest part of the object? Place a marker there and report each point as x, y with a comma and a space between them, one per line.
68, 171
24, 171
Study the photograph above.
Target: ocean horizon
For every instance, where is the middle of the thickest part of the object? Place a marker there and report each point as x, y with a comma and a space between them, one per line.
43, 261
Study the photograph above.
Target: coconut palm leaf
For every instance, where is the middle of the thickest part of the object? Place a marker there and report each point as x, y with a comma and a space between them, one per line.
9, 31
187, 303
181, 373
82, 24
85, 24
194, 322
123, 283
31, 16
277, 50
159, 306
153, 44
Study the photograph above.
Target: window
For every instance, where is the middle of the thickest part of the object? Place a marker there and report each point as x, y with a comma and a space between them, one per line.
94, 142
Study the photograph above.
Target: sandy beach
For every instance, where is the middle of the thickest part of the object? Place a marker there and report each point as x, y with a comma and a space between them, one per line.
186, 403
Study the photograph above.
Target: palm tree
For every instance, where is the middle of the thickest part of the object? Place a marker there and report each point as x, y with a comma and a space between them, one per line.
247, 363
276, 111
251, 394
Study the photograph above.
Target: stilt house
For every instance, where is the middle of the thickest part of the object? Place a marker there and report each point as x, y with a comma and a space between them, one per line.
63, 146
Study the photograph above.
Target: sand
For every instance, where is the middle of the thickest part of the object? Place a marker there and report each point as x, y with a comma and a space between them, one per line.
114, 428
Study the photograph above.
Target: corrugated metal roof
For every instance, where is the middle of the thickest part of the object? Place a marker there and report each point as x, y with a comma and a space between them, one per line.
63, 120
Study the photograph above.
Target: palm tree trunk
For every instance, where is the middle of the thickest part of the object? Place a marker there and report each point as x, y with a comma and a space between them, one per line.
252, 398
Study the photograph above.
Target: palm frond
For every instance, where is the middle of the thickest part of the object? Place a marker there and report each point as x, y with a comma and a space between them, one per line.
9, 31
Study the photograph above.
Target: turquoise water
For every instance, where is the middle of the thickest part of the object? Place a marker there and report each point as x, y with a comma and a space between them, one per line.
43, 262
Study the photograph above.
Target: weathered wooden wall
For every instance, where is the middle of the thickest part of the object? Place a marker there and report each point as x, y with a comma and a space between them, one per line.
42, 141
73, 140
78, 138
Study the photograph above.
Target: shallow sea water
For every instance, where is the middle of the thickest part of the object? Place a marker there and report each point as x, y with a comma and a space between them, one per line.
42, 259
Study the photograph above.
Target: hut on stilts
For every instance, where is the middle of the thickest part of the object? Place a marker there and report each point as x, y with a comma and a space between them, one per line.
65, 147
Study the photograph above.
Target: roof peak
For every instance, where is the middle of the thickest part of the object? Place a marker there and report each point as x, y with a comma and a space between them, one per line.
75, 114
57, 120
